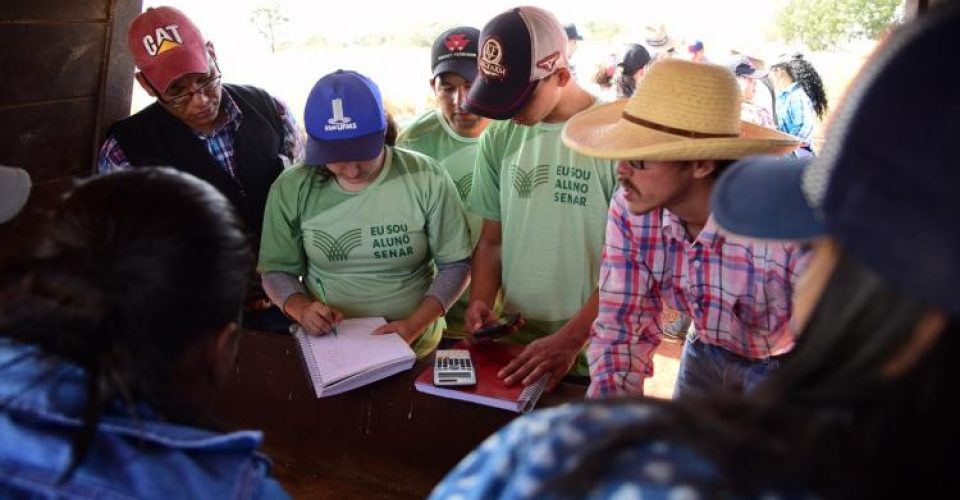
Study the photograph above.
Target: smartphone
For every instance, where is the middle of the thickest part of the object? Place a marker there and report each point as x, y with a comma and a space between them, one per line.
498, 329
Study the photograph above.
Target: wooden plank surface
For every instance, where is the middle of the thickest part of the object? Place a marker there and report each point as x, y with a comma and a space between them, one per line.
51, 140
54, 10
57, 61
386, 435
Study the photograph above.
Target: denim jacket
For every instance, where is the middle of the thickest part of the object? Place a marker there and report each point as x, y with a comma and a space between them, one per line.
41, 406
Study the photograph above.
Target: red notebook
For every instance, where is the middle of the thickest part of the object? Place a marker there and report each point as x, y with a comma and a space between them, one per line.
488, 358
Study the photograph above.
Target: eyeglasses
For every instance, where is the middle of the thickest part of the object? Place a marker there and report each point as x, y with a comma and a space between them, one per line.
206, 87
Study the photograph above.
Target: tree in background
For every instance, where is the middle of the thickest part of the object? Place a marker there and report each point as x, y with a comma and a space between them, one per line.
268, 19
606, 32
824, 24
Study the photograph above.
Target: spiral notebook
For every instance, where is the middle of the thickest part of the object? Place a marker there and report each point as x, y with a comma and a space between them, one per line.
354, 357
488, 358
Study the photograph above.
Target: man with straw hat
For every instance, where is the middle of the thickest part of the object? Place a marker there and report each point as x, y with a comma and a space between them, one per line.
673, 138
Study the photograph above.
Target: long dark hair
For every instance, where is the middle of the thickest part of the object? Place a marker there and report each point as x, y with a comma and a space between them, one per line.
626, 85
133, 273
802, 72
826, 422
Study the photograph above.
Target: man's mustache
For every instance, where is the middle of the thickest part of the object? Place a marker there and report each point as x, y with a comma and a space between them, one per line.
628, 184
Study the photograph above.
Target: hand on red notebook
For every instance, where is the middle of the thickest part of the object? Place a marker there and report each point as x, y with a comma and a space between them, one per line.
554, 354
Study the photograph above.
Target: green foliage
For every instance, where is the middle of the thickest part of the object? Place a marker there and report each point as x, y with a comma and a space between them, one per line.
825, 24
604, 31
416, 35
268, 19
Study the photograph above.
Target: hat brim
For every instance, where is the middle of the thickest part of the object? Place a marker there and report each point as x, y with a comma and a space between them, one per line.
15, 185
466, 68
601, 132
761, 198
758, 74
362, 148
667, 44
168, 67
498, 100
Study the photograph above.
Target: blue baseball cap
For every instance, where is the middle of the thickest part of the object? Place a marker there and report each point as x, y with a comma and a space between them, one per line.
886, 184
344, 118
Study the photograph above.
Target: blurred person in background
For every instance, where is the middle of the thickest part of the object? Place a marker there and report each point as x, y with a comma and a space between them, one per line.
801, 100
634, 63
697, 53
747, 76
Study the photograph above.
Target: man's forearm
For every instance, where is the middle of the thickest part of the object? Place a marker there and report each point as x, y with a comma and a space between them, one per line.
485, 275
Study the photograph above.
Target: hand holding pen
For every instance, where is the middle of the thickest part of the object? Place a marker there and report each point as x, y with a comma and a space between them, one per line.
320, 319
316, 318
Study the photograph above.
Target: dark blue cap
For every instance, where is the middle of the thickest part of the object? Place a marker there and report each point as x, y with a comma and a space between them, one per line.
887, 182
518, 48
455, 51
344, 118
761, 197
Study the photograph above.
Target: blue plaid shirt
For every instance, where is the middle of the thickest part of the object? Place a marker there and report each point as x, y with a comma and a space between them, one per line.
525, 458
219, 142
795, 115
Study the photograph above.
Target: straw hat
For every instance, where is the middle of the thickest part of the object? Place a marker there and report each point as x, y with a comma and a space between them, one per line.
681, 110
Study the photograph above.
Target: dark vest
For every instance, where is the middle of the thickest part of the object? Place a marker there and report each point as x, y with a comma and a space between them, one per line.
154, 137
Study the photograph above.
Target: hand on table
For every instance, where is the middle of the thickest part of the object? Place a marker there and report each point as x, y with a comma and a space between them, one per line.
554, 355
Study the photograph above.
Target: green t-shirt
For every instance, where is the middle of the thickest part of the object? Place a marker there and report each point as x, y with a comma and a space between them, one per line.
431, 135
552, 205
369, 253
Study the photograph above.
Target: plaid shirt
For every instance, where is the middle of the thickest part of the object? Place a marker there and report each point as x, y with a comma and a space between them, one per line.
738, 294
219, 142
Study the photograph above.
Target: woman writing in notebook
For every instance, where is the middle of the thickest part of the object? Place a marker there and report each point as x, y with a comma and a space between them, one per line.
115, 330
373, 230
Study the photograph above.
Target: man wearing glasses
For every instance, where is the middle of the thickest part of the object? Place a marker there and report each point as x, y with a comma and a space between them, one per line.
237, 138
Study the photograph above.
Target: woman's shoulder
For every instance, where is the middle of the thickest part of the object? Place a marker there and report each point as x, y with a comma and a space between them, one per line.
39, 413
409, 162
296, 174
294, 181
530, 455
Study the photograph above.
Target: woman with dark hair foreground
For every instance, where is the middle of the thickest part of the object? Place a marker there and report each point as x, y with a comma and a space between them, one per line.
866, 405
114, 333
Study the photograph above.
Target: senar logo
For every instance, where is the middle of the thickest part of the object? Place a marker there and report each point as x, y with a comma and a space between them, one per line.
164, 38
464, 185
337, 249
524, 181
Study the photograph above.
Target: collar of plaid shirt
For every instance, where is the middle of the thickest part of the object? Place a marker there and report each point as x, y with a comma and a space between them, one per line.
673, 228
233, 114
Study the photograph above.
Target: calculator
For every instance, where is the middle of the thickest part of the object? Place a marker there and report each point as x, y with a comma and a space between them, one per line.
453, 367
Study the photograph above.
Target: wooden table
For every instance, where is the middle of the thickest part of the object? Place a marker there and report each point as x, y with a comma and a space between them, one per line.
382, 437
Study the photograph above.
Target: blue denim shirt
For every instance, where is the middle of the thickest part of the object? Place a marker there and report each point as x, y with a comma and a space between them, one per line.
41, 405
796, 116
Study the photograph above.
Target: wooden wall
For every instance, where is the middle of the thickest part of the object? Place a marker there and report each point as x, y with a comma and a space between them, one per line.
66, 75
